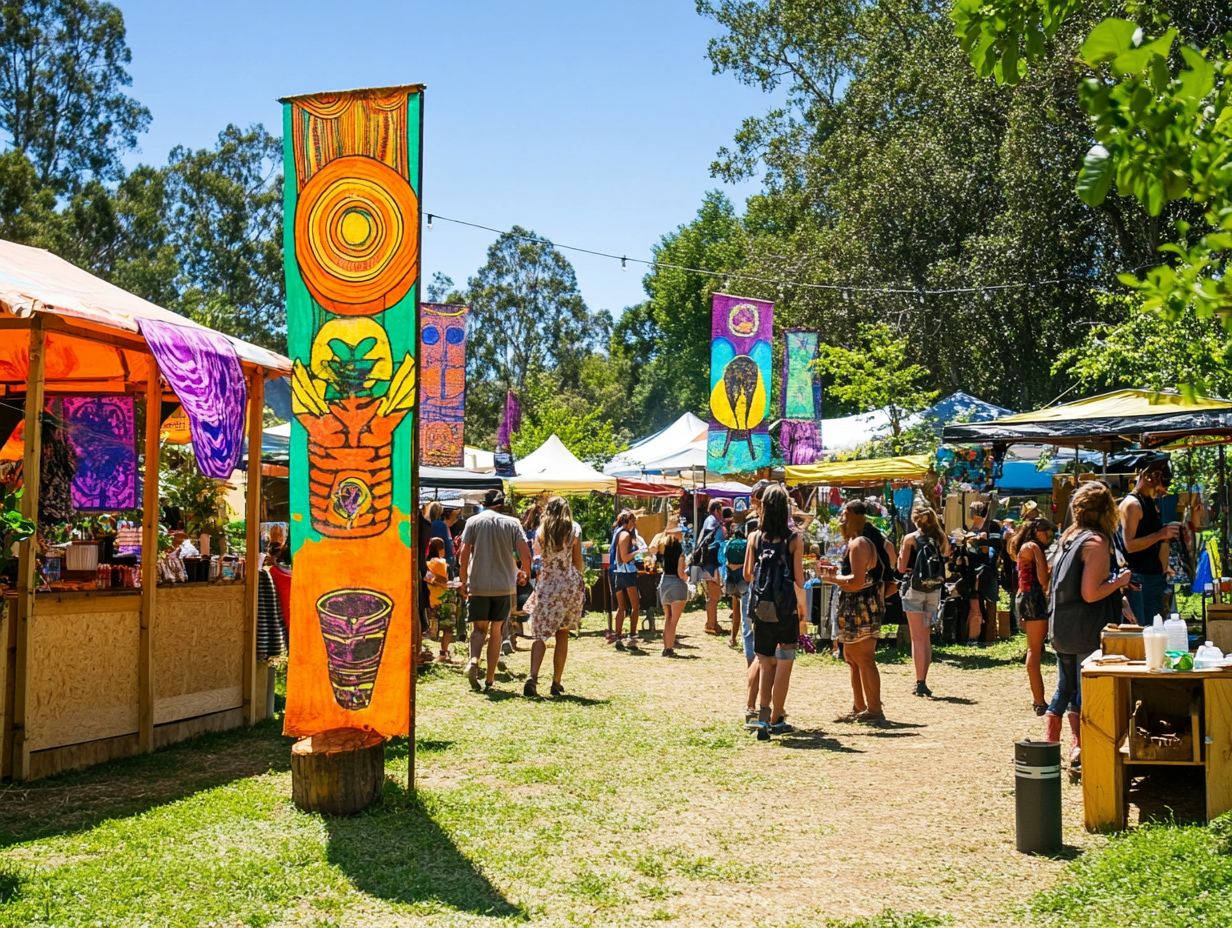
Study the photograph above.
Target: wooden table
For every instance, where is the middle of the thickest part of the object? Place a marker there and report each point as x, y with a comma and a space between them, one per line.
1106, 707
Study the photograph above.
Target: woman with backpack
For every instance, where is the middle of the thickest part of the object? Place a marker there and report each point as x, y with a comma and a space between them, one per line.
624, 580
861, 607
1027, 547
923, 557
734, 554
774, 565
1086, 595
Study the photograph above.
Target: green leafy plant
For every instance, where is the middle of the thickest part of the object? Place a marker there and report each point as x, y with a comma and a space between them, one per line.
14, 527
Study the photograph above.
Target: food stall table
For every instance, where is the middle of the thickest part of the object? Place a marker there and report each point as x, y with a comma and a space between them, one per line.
1107, 694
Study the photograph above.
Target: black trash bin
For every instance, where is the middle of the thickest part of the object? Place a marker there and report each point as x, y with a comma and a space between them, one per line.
1037, 796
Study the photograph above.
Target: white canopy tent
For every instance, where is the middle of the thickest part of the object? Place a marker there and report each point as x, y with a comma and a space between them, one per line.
646, 454
553, 468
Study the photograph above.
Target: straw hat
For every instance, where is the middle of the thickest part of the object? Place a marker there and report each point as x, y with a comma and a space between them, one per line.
1030, 510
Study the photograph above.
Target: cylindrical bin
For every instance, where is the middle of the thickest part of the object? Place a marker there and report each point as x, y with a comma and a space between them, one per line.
1037, 796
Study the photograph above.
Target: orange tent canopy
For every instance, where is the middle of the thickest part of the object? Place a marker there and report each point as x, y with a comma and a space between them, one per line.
93, 337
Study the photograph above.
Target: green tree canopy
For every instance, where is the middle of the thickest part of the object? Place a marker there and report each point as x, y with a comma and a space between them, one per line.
63, 70
527, 316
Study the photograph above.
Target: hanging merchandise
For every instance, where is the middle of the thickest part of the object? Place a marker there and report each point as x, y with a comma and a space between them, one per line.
102, 431
56, 477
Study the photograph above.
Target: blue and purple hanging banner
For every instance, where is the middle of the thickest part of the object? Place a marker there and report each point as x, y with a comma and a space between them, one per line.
740, 365
800, 432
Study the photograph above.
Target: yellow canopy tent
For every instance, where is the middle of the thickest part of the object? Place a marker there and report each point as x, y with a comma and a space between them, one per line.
860, 473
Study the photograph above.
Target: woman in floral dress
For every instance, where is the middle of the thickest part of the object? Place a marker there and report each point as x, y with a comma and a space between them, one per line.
556, 605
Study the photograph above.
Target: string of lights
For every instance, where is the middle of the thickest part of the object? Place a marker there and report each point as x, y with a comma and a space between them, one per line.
846, 289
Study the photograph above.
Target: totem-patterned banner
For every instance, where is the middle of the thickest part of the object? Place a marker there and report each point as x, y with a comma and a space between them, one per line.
204, 371
442, 373
800, 434
103, 433
351, 244
740, 359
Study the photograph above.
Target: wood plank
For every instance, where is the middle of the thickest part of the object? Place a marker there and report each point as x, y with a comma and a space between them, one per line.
1218, 746
32, 462
149, 559
1104, 717
253, 708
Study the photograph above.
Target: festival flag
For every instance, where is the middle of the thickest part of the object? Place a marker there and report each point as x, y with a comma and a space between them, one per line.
442, 347
351, 188
800, 431
740, 357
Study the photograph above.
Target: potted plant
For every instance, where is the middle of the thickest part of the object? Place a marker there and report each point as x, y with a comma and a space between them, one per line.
14, 527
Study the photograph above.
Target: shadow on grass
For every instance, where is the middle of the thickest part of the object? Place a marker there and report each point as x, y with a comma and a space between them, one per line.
395, 748
816, 740
955, 700
966, 658
1169, 795
398, 852
76, 801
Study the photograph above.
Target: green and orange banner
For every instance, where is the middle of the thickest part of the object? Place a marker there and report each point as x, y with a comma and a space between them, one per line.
351, 243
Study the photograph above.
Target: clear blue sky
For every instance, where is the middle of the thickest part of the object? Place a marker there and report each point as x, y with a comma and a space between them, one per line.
592, 122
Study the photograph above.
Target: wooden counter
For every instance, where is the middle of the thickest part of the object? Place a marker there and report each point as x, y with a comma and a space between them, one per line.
83, 690
1107, 701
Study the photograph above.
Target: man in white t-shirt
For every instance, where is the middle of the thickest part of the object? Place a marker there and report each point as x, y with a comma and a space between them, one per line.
490, 579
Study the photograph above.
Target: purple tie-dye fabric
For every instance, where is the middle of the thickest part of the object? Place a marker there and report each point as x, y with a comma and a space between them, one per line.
204, 371
800, 441
103, 432
511, 421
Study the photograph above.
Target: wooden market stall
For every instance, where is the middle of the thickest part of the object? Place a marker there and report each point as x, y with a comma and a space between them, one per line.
97, 674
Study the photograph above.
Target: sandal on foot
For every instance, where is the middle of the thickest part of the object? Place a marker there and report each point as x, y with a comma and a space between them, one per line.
851, 716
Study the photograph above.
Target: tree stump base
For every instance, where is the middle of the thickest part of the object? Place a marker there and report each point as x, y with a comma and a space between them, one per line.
338, 772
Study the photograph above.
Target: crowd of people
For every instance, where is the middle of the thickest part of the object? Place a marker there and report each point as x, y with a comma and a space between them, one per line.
1109, 563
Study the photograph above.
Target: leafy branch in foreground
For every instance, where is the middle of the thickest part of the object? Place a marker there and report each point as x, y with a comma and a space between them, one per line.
1161, 117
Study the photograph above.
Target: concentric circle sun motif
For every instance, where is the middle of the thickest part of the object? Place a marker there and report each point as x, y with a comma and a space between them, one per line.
357, 236
744, 319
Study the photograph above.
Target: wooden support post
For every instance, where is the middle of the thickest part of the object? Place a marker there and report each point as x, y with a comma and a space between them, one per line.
252, 517
27, 583
149, 557
1218, 745
1105, 718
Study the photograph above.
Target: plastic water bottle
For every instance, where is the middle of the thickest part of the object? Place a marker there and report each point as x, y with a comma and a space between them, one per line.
1178, 634
1208, 657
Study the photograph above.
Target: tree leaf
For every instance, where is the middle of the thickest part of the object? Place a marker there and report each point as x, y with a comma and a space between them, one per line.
1095, 177
1110, 38
1135, 59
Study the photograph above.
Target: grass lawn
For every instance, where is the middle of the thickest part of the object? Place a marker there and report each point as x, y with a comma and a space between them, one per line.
635, 799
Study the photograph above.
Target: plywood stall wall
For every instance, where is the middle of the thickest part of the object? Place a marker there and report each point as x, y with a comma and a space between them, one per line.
82, 682
198, 651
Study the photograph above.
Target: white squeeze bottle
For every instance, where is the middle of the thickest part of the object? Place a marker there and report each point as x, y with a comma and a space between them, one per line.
1178, 633
1155, 643
1208, 657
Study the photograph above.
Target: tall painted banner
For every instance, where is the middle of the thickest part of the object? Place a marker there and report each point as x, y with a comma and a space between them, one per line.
351, 243
442, 367
740, 359
800, 432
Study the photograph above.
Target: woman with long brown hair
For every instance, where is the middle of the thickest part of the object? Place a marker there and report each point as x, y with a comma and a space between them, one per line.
1027, 547
923, 556
861, 607
556, 605
1086, 595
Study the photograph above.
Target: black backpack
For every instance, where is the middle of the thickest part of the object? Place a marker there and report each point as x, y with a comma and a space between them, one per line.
773, 594
928, 574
